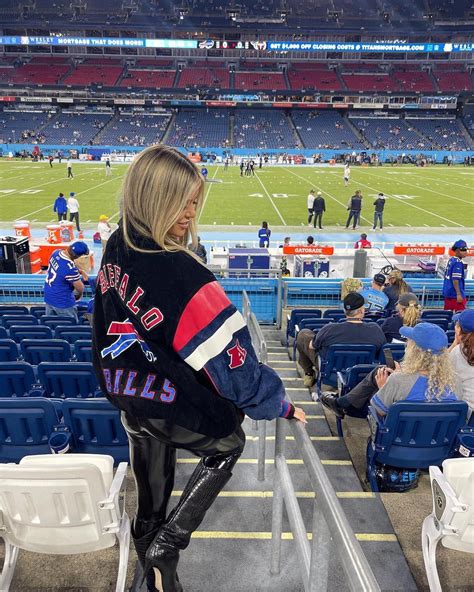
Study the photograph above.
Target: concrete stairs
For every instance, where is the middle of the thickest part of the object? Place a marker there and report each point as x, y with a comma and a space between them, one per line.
296, 135
231, 129
168, 129
360, 135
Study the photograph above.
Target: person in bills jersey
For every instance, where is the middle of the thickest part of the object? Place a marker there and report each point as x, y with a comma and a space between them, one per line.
453, 286
175, 356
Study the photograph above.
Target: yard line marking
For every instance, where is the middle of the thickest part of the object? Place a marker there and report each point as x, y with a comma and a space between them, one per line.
449, 183
430, 190
271, 200
405, 202
207, 195
47, 183
326, 193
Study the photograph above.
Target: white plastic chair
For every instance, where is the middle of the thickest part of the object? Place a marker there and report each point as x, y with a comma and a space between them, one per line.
63, 504
452, 519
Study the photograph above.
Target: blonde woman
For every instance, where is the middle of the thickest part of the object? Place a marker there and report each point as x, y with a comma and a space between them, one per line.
408, 311
425, 375
175, 356
396, 287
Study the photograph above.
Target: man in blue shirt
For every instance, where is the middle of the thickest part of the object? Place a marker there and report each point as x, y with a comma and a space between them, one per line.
454, 276
63, 278
60, 207
375, 299
204, 172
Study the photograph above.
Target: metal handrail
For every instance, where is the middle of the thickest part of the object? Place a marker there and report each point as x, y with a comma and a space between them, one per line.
331, 531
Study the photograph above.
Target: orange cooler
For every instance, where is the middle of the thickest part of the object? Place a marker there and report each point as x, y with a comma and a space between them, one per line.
67, 232
35, 259
54, 233
22, 228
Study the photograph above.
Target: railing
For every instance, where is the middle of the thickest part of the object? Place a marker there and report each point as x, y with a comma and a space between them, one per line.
331, 531
260, 347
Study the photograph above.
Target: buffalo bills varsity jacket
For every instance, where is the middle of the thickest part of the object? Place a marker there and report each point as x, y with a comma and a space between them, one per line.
168, 343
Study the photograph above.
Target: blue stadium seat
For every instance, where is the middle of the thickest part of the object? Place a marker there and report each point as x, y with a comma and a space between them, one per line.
83, 350
450, 334
25, 427
397, 349
38, 310
339, 358
3, 333
54, 321
96, 427
295, 316
440, 321
73, 334
346, 381
20, 332
36, 351
17, 379
12, 309
8, 350
21, 319
413, 435
68, 380
334, 313
436, 314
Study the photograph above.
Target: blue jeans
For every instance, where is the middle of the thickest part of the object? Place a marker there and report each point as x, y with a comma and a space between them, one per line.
354, 216
62, 312
378, 216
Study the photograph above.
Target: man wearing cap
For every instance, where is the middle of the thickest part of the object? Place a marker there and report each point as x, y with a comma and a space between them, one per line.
352, 331
104, 229
319, 207
454, 276
63, 279
379, 204
73, 207
461, 354
375, 299
310, 200
425, 362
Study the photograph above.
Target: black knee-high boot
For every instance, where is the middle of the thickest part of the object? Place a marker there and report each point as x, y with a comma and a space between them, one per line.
143, 534
208, 479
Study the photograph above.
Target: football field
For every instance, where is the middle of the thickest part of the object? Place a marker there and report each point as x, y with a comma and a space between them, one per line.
436, 197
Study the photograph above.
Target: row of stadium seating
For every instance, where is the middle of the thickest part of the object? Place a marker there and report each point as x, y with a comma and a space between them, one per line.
251, 129
301, 76
37, 350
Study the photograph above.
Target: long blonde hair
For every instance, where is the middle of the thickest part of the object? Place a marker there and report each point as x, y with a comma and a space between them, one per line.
397, 281
410, 314
436, 366
155, 191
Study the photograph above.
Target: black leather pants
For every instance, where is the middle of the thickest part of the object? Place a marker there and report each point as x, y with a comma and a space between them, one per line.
153, 444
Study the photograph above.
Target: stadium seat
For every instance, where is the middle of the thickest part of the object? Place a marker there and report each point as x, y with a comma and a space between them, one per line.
27, 424
339, 358
12, 309
413, 435
63, 504
66, 380
17, 379
54, 321
3, 333
346, 381
450, 334
20, 332
83, 350
73, 334
397, 349
39, 311
8, 350
295, 316
436, 314
334, 313
452, 518
440, 321
21, 319
96, 427
36, 351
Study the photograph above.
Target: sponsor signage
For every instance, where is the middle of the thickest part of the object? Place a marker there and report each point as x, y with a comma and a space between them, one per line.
419, 250
308, 250
8, 99
129, 101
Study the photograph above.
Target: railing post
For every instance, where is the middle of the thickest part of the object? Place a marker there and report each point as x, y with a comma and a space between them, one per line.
279, 303
320, 552
262, 435
277, 504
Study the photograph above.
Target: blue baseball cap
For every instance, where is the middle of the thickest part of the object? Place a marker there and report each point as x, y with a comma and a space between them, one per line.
72, 193
465, 320
460, 244
79, 248
426, 336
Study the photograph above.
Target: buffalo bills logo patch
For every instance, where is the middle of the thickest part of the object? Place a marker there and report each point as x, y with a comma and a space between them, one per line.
127, 335
237, 355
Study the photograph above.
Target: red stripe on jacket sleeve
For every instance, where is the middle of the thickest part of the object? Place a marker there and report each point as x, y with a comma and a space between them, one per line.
203, 308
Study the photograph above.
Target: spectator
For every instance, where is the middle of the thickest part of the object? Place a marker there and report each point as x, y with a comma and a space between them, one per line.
396, 287
408, 315
104, 229
350, 285
425, 375
73, 207
310, 241
363, 243
63, 278
375, 299
60, 207
199, 250
461, 354
264, 235
352, 330
454, 276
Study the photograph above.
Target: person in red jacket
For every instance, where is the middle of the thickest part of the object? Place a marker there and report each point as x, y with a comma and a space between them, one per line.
363, 243
175, 356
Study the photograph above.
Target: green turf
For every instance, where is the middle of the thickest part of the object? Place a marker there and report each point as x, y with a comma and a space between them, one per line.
432, 197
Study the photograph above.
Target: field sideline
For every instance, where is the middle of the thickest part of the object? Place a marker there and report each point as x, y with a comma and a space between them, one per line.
437, 197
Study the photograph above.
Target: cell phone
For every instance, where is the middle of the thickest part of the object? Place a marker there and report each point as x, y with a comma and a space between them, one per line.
389, 361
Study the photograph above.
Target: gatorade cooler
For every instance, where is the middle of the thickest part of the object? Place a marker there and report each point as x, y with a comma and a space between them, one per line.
35, 259
54, 233
67, 232
22, 228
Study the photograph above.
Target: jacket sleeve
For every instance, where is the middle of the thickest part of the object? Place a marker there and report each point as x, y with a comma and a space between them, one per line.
212, 337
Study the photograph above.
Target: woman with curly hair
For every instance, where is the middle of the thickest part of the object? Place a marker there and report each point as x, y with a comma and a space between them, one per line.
461, 354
